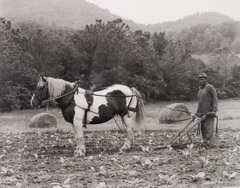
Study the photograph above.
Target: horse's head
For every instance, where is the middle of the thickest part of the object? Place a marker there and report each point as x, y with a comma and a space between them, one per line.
41, 92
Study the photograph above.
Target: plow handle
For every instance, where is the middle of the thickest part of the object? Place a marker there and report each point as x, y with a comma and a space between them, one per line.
186, 129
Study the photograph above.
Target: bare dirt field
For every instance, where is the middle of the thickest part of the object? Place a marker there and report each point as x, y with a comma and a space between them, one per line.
44, 157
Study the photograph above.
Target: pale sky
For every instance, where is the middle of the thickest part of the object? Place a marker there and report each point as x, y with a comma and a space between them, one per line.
158, 11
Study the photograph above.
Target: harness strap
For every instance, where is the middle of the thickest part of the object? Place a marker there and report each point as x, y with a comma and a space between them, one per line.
89, 98
130, 108
84, 121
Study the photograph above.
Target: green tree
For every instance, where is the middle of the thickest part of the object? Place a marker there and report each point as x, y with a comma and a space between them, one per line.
233, 83
236, 46
43, 49
112, 54
223, 60
14, 71
159, 43
214, 76
86, 42
180, 71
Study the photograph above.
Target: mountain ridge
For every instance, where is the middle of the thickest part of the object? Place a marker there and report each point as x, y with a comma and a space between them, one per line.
76, 14
213, 18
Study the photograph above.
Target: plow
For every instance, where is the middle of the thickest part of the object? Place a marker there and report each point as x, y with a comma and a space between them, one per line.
194, 122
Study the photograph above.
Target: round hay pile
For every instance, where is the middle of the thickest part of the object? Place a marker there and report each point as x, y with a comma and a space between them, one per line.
174, 113
43, 120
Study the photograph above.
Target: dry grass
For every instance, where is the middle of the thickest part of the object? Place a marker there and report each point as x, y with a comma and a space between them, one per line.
174, 112
18, 121
43, 120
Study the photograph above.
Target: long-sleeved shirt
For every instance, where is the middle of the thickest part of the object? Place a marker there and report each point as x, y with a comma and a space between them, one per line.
207, 99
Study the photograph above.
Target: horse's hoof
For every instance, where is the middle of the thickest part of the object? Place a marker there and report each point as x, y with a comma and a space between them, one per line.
79, 153
125, 147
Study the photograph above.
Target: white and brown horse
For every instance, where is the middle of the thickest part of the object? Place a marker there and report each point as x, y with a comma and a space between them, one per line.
81, 107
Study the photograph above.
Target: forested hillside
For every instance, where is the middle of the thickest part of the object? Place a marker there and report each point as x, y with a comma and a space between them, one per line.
103, 54
74, 14
210, 18
78, 45
217, 45
207, 38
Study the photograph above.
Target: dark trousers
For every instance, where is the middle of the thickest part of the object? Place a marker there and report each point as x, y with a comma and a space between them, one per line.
207, 129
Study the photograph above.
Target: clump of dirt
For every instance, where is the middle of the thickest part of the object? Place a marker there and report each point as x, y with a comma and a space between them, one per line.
45, 159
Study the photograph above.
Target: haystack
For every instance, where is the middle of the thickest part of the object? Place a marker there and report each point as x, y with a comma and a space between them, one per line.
43, 120
174, 113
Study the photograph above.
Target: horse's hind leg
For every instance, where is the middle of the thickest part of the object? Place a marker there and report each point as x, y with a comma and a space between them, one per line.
127, 122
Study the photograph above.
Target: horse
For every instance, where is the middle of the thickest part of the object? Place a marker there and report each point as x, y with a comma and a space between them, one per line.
82, 107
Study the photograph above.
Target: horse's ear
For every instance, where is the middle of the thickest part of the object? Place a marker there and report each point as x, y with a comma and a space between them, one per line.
43, 78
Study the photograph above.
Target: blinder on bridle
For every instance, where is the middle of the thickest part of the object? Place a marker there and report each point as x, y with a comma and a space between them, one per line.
44, 93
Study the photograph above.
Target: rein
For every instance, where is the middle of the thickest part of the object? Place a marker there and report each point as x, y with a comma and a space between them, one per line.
98, 95
187, 112
54, 98
59, 97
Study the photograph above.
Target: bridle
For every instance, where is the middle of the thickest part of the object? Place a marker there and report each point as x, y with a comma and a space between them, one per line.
61, 96
44, 93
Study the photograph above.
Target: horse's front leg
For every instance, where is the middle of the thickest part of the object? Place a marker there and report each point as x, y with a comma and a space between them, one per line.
127, 121
78, 133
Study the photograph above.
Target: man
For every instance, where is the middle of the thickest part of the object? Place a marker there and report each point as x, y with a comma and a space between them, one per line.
207, 105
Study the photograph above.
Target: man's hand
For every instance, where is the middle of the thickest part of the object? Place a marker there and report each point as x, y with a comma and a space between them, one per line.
211, 114
199, 115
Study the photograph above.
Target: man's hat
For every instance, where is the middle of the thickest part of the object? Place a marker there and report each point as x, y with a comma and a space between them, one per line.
202, 75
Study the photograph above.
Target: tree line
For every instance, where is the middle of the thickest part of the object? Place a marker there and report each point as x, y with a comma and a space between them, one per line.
100, 55
207, 38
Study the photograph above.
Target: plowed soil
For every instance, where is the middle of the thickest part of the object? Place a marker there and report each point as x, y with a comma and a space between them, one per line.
45, 159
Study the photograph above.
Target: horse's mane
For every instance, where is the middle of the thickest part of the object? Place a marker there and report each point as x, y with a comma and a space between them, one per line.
56, 87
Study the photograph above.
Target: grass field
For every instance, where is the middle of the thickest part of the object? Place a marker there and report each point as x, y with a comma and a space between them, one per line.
18, 121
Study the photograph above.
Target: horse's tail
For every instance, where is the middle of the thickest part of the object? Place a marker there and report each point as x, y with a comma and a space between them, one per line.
139, 106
